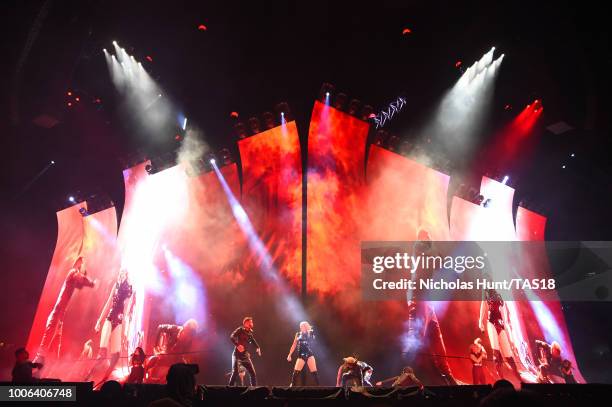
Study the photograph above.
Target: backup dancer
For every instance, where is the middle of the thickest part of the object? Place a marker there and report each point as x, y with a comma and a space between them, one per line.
241, 338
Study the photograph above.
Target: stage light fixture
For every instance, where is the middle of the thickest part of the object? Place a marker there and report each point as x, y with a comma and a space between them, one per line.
254, 125
212, 161
283, 110
380, 137
340, 101
367, 112
241, 130
572, 155
104, 50
505, 180
226, 156
52, 162
71, 199
354, 107
325, 92
563, 166
268, 119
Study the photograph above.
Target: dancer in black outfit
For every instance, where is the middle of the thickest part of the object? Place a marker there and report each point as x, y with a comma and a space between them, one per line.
241, 337
303, 342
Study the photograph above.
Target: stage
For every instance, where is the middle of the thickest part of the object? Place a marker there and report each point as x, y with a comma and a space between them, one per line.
143, 395
172, 213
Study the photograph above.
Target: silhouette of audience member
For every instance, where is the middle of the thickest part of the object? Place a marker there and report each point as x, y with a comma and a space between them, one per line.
22, 371
111, 393
181, 387
503, 384
508, 397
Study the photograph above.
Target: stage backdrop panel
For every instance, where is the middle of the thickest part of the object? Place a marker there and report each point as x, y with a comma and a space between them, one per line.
97, 244
272, 195
67, 248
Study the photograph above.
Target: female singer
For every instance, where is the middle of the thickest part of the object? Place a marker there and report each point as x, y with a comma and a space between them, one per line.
303, 341
494, 319
114, 321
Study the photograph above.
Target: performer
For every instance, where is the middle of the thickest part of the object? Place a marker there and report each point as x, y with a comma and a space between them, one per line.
550, 359
241, 337
494, 318
137, 370
241, 374
567, 372
171, 344
303, 342
85, 358
87, 352
350, 373
477, 355
113, 323
367, 376
406, 378
22, 371
75, 280
423, 326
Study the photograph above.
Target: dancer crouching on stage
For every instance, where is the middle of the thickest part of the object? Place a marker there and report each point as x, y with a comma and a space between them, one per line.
303, 341
351, 372
113, 323
241, 337
172, 345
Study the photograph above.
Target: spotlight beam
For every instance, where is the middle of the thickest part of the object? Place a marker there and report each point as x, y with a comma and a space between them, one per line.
34, 179
462, 111
289, 305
